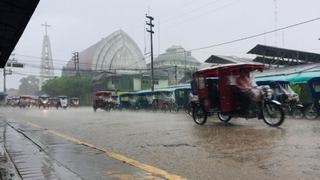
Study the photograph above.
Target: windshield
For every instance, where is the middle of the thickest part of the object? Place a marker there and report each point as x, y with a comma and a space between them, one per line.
287, 89
316, 86
159, 89
242, 80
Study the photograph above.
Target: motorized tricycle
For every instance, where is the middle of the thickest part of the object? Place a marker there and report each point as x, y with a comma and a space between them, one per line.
102, 100
310, 97
24, 101
229, 91
62, 102
283, 93
74, 102
43, 101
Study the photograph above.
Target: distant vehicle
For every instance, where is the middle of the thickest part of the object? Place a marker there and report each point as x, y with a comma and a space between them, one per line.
74, 102
166, 99
24, 101
13, 101
102, 100
54, 102
43, 101
116, 100
34, 101
62, 102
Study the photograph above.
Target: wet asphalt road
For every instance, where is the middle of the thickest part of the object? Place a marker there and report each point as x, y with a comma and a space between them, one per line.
173, 142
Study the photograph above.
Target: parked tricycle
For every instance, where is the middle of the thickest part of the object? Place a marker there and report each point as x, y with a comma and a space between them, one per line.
310, 97
283, 93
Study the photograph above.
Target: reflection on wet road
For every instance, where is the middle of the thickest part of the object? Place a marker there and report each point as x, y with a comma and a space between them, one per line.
172, 142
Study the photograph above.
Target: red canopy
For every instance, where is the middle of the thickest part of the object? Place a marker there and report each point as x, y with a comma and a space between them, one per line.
222, 69
103, 93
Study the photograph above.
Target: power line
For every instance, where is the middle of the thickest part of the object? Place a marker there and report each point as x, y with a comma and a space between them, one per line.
208, 46
71, 69
64, 62
186, 20
254, 36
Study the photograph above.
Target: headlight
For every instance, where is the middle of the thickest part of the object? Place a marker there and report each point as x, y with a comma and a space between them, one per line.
269, 93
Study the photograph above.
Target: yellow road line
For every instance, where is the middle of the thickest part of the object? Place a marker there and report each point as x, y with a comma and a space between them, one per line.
135, 163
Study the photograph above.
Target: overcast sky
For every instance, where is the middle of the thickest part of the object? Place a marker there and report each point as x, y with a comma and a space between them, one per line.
77, 24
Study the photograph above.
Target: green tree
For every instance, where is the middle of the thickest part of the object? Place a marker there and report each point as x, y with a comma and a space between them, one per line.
77, 86
29, 86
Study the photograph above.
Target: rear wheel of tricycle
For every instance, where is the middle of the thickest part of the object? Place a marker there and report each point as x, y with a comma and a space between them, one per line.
311, 112
273, 114
199, 115
224, 117
297, 113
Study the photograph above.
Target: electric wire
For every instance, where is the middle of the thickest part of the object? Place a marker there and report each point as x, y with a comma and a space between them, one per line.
255, 35
208, 46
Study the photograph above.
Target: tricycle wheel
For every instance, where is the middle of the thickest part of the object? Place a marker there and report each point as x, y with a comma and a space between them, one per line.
273, 114
297, 113
311, 112
199, 115
224, 117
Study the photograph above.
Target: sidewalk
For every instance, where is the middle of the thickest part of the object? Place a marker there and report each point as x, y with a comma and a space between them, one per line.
37, 154
7, 169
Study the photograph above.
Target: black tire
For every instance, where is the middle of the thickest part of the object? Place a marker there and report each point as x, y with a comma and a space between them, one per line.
165, 107
224, 117
269, 112
199, 115
311, 113
94, 109
297, 113
154, 106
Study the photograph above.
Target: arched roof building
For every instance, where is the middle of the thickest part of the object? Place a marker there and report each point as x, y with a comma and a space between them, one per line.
176, 55
178, 63
116, 53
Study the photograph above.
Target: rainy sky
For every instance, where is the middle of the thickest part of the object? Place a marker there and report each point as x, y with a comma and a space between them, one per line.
77, 24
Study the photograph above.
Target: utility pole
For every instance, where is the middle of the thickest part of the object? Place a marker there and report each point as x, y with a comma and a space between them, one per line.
185, 63
75, 58
175, 74
77, 62
150, 18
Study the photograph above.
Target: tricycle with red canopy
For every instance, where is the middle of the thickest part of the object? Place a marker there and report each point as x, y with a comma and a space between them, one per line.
102, 100
230, 91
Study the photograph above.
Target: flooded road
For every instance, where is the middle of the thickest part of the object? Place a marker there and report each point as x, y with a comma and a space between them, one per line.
174, 143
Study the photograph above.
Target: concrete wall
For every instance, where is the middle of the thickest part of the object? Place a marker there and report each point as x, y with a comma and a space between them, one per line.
162, 84
136, 84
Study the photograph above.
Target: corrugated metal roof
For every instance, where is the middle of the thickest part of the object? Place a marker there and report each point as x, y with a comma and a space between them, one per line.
271, 51
220, 59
